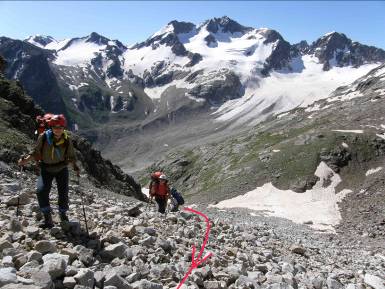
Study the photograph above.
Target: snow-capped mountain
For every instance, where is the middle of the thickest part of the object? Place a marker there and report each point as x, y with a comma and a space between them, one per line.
243, 73
47, 42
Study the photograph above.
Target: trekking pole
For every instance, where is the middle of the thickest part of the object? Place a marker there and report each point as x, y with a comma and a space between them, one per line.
82, 197
18, 196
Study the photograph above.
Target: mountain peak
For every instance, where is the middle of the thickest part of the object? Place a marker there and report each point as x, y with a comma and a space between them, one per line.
181, 26
226, 24
40, 40
97, 39
333, 39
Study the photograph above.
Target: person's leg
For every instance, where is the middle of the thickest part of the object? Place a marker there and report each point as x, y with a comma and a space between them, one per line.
62, 187
161, 204
44, 190
42, 194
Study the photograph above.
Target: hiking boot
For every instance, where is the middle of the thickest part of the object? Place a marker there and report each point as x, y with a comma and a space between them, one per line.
48, 223
63, 217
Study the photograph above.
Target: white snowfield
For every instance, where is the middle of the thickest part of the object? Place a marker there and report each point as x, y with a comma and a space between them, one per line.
319, 205
78, 53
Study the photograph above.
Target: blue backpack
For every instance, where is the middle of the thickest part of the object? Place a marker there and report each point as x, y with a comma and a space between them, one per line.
177, 196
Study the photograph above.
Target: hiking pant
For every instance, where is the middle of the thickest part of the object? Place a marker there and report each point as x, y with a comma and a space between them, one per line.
162, 203
44, 189
175, 205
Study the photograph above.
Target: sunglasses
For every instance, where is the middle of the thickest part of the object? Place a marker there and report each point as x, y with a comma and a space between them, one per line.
61, 127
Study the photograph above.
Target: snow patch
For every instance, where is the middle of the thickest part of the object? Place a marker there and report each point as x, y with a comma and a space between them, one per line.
78, 53
320, 204
381, 135
345, 145
373, 171
351, 131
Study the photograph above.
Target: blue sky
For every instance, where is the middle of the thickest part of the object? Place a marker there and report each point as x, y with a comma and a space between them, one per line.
131, 21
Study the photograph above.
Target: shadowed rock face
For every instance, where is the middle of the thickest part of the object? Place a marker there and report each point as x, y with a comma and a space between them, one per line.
97, 39
181, 27
279, 58
226, 24
43, 40
303, 47
29, 64
222, 86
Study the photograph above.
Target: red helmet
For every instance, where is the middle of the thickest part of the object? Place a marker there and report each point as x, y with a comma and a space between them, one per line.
156, 175
57, 120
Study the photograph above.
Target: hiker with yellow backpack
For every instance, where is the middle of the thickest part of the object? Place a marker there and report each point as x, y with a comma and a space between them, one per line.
53, 152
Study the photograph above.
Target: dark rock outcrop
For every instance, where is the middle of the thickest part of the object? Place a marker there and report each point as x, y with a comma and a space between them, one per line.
335, 49
29, 64
181, 27
219, 89
226, 25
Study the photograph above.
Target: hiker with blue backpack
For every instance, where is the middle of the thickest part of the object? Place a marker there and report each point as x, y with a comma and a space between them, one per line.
176, 199
53, 151
160, 190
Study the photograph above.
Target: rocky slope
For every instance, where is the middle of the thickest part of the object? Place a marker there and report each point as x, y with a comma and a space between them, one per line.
130, 246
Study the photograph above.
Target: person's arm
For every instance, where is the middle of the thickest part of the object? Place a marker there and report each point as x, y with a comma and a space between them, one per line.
35, 154
25, 160
71, 157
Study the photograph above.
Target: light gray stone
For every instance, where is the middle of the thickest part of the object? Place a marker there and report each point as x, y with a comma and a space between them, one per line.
55, 264
85, 277
374, 281
7, 276
45, 247
42, 279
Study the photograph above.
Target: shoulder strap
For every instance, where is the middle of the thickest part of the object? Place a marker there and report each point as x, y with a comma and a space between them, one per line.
42, 144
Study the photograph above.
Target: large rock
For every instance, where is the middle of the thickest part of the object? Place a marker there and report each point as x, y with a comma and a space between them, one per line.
115, 251
10, 188
42, 279
45, 247
20, 199
7, 276
374, 281
113, 279
145, 284
85, 255
55, 264
129, 231
85, 277
4, 244
20, 286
